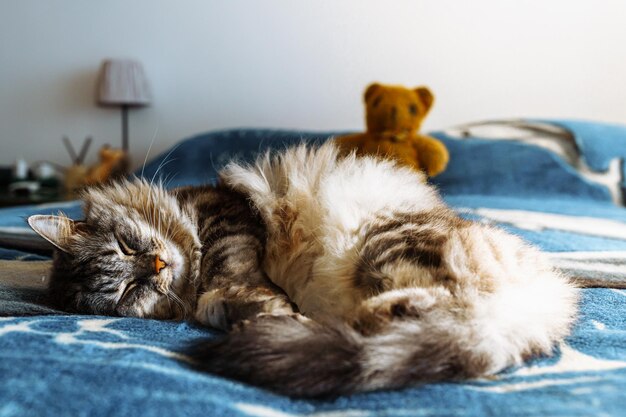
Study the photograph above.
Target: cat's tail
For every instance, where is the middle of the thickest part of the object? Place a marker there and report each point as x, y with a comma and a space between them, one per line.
303, 358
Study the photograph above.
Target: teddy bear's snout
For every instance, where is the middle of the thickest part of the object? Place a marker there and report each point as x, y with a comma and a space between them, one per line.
394, 113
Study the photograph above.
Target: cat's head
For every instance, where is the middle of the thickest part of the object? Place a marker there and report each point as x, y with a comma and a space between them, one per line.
134, 254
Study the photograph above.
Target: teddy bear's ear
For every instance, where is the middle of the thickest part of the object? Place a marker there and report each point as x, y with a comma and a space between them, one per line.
425, 95
371, 89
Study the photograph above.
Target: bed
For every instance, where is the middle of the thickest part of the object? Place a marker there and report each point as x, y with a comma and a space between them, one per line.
559, 184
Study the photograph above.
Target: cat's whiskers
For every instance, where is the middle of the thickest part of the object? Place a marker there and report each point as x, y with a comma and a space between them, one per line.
161, 166
142, 179
144, 211
143, 167
157, 210
152, 211
171, 295
163, 223
163, 163
144, 207
168, 180
169, 303
141, 206
166, 235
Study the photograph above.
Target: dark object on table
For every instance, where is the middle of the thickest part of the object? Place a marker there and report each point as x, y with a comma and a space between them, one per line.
23, 188
21, 197
29, 189
6, 173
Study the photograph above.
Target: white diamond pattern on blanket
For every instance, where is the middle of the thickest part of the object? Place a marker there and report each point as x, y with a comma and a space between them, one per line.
570, 368
535, 220
86, 327
257, 410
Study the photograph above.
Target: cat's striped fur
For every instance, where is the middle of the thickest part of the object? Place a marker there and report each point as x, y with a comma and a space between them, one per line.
400, 288
232, 285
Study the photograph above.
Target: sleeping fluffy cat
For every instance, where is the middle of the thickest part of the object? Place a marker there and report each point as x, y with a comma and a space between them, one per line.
391, 287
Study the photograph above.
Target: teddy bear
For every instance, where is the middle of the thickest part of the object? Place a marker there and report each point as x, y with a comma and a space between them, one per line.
394, 115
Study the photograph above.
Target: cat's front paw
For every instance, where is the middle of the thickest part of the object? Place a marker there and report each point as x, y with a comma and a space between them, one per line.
223, 308
212, 310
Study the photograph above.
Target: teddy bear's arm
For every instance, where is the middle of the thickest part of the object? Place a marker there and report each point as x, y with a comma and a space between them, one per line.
432, 154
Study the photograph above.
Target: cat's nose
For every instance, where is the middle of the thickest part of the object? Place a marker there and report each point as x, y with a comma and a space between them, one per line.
158, 264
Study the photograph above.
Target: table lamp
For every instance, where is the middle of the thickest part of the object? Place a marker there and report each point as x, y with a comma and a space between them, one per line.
122, 83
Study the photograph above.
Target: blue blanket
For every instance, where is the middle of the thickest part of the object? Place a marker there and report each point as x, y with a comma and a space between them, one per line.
564, 198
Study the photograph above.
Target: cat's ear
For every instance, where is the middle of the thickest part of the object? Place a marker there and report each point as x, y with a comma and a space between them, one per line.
57, 230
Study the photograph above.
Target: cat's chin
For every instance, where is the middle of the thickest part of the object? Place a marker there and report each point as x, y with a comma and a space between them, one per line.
138, 300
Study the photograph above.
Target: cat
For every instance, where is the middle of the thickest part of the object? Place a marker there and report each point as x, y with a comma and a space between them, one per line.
141, 251
390, 286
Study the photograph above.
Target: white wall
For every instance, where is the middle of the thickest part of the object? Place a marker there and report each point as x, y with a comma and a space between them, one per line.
299, 64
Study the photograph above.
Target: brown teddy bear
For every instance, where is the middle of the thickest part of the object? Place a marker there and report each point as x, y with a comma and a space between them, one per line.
394, 115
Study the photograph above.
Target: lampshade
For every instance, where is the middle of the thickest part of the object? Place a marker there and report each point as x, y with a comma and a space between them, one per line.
122, 82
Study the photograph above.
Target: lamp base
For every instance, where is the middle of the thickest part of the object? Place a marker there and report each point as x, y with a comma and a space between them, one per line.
125, 128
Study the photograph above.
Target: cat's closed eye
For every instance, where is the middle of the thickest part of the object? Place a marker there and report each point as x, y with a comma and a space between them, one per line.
125, 247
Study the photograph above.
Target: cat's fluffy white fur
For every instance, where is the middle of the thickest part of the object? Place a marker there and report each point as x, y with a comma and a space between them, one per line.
317, 209
505, 303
